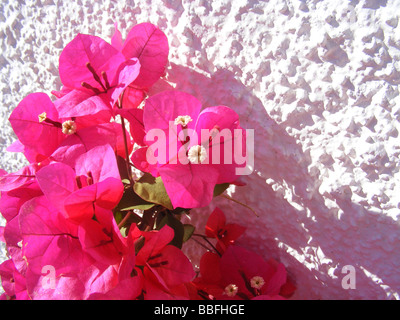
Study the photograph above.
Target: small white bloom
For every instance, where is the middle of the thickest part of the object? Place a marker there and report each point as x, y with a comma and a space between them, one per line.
183, 120
257, 282
197, 154
69, 127
42, 116
231, 290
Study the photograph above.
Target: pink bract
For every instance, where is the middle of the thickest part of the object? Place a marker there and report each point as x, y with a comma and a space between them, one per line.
30, 131
236, 273
166, 268
149, 44
217, 228
96, 72
95, 181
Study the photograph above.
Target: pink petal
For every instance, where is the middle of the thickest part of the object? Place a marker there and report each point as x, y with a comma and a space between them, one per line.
189, 186
48, 239
99, 239
128, 289
210, 268
59, 94
93, 119
157, 289
155, 241
223, 118
127, 72
79, 205
83, 49
128, 262
116, 40
84, 140
136, 126
23, 176
238, 263
216, 221
109, 193
100, 161
31, 155
139, 160
150, 45
11, 201
13, 282
42, 137
166, 106
57, 181
232, 232
132, 97
79, 103
273, 287
172, 266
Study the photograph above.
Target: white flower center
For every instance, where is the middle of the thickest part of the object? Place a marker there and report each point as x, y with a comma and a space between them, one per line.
231, 290
197, 154
182, 120
42, 116
69, 127
257, 282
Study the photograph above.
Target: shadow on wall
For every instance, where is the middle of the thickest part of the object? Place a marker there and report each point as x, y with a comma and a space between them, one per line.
358, 238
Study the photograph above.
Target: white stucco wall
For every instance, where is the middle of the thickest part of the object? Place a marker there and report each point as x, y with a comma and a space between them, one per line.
318, 81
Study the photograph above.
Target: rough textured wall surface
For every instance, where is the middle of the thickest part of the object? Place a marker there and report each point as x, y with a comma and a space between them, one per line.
318, 81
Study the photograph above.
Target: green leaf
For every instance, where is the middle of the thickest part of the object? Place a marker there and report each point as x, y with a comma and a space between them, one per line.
118, 216
178, 227
188, 231
130, 201
152, 190
144, 206
220, 188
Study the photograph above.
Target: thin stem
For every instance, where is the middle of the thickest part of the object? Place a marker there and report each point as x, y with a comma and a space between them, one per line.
208, 241
244, 205
128, 169
122, 223
204, 246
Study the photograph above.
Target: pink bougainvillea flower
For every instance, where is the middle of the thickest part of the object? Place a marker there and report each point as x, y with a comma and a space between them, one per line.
95, 181
57, 265
22, 177
95, 74
184, 157
166, 269
149, 44
49, 241
217, 228
101, 238
41, 137
10, 204
242, 274
13, 282
130, 277
41, 131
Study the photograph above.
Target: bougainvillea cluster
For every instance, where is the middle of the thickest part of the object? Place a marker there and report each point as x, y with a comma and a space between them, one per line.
96, 214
